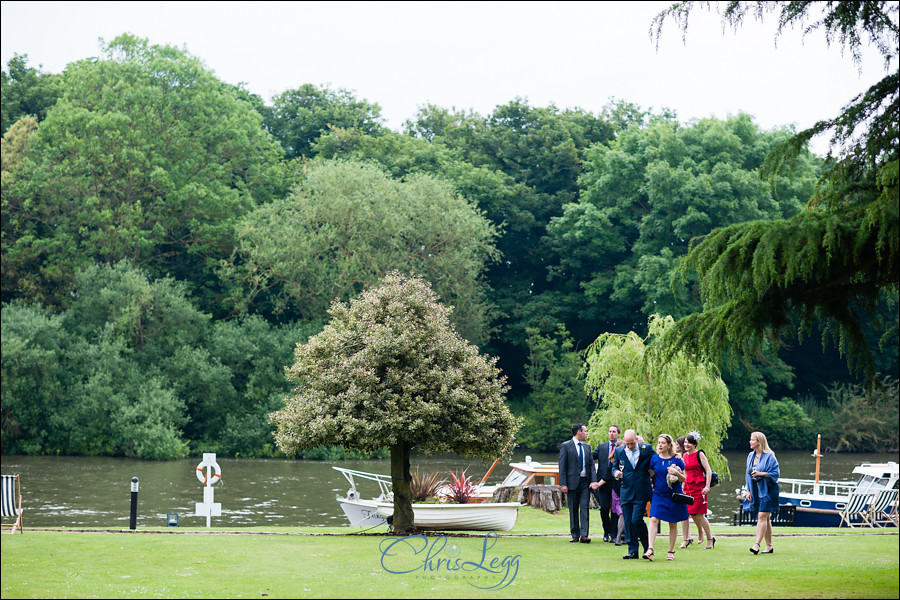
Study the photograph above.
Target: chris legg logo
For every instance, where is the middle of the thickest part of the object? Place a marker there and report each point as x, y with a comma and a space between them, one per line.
414, 554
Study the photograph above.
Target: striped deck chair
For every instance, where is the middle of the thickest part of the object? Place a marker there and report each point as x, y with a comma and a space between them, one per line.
12, 501
857, 508
884, 503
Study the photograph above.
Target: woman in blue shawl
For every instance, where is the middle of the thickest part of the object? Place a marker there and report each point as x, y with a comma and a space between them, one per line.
762, 489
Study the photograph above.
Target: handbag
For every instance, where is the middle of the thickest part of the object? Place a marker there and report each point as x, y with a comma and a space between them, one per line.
679, 498
713, 478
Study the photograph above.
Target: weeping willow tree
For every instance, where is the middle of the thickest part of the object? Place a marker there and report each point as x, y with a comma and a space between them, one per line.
835, 266
636, 392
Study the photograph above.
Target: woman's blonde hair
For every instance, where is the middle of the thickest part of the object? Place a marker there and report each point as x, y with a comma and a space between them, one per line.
760, 437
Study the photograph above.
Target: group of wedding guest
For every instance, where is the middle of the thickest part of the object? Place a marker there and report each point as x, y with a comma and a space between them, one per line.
622, 485
675, 480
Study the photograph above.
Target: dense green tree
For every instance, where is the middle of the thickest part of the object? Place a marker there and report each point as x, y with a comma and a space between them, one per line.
65, 394
856, 418
653, 398
557, 398
25, 91
837, 263
646, 196
132, 368
146, 156
542, 150
34, 375
347, 224
787, 425
389, 370
299, 117
255, 353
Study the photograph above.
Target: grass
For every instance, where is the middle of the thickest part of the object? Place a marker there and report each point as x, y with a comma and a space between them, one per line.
322, 563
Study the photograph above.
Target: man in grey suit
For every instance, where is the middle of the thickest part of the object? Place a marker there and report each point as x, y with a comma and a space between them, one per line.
631, 464
577, 477
602, 454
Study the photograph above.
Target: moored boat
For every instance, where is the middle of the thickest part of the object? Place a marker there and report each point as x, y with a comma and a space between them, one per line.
482, 516
521, 474
820, 503
364, 513
478, 516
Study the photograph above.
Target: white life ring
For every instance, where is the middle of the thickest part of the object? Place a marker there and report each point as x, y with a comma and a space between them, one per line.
201, 473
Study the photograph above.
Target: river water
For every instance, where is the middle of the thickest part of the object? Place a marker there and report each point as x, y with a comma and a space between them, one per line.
79, 492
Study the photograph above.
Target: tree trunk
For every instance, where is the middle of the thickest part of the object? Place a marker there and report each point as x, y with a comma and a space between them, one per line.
400, 482
505, 494
545, 497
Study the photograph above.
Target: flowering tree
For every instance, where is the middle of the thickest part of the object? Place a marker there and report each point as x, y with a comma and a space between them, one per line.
389, 370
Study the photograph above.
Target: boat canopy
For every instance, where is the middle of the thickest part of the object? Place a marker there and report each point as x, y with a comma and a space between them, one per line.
876, 476
523, 473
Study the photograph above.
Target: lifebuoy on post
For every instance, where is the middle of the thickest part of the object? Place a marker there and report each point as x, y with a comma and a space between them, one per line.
201, 472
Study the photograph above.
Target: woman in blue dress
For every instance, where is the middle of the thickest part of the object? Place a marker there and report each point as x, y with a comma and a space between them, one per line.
668, 473
762, 489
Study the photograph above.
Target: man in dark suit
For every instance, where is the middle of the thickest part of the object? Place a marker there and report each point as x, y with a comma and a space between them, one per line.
577, 477
607, 482
631, 464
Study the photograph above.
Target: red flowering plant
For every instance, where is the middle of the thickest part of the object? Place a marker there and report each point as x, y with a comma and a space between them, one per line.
460, 488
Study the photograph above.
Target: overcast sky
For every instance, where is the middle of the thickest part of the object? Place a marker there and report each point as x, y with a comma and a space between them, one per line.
470, 55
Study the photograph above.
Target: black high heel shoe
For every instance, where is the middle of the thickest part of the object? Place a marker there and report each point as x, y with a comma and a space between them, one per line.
770, 551
713, 545
754, 550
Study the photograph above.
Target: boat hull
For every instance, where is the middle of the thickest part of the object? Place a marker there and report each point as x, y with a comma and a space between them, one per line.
808, 511
481, 516
362, 513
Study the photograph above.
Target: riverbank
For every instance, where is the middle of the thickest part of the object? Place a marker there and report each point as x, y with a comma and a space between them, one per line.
533, 560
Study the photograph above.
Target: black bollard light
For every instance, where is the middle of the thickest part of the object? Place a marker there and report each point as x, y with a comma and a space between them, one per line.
134, 492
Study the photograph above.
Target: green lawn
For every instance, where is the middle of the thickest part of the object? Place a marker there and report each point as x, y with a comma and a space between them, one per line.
293, 562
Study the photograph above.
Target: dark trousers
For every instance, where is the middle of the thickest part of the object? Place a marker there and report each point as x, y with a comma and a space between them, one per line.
578, 501
635, 528
604, 499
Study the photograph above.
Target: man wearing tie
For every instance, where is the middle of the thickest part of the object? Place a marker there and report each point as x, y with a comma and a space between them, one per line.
603, 455
577, 477
631, 465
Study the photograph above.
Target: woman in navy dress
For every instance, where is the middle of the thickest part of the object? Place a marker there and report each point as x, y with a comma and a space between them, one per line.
762, 489
663, 465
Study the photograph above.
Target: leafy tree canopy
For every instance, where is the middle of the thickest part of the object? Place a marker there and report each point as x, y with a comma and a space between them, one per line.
840, 259
646, 196
557, 398
347, 224
26, 91
299, 117
146, 156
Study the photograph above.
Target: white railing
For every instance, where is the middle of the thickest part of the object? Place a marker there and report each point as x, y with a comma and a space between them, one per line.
823, 488
383, 481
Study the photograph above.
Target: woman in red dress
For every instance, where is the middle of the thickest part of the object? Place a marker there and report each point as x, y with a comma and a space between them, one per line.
697, 484
686, 539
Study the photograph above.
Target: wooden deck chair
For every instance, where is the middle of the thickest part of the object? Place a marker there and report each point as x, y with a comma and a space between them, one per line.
857, 508
12, 501
881, 508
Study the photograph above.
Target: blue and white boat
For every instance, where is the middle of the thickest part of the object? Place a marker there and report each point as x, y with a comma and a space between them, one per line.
820, 503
